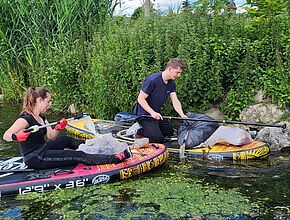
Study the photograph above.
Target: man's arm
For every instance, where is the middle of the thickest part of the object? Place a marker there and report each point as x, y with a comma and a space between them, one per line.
142, 101
177, 105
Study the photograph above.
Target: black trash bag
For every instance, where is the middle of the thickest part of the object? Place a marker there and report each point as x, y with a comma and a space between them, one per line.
193, 133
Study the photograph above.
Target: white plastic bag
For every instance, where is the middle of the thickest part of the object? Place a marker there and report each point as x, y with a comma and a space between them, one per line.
140, 142
133, 129
103, 144
230, 135
89, 124
117, 146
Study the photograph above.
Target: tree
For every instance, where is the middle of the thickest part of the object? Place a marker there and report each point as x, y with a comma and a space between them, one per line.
209, 6
147, 7
230, 6
185, 4
269, 7
137, 13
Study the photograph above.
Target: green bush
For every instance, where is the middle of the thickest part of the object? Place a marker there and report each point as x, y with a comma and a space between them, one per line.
98, 62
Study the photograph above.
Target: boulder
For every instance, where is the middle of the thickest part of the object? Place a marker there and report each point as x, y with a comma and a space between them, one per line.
260, 97
215, 113
262, 113
277, 138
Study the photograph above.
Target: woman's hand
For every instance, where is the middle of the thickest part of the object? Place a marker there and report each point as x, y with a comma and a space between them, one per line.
20, 136
61, 125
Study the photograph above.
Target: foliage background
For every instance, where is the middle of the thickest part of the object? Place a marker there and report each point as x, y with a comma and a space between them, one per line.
97, 61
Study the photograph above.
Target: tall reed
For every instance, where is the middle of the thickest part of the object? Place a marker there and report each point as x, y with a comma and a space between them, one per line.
46, 43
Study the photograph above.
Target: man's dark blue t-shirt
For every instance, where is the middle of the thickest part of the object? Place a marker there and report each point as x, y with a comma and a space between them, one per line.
157, 91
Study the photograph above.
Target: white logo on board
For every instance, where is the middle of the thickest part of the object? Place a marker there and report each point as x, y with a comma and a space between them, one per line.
100, 179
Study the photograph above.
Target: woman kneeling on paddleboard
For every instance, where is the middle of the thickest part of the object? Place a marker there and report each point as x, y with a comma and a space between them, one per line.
41, 154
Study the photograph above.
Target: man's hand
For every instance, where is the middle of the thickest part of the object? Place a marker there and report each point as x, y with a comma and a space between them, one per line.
183, 116
156, 116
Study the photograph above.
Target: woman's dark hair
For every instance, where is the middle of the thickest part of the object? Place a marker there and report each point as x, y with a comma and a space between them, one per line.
29, 99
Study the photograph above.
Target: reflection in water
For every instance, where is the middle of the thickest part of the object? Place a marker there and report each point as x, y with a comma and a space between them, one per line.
8, 114
266, 182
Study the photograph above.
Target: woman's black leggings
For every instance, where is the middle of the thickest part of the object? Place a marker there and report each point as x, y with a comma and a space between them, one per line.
62, 152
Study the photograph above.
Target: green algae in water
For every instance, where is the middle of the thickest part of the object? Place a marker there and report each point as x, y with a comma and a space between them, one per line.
151, 198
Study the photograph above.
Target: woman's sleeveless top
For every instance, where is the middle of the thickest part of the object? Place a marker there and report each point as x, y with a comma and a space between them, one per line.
36, 139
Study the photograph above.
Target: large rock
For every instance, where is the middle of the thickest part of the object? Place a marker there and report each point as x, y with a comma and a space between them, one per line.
260, 97
262, 113
215, 113
277, 138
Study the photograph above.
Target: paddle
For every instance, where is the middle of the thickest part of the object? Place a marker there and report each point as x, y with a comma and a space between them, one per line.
125, 116
17, 171
35, 128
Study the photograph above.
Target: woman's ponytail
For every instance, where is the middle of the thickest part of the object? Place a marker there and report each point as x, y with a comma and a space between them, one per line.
29, 99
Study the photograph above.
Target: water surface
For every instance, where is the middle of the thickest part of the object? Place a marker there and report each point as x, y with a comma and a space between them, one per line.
189, 189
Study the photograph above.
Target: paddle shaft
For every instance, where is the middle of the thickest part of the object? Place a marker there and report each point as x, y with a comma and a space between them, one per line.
222, 121
17, 171
36, 127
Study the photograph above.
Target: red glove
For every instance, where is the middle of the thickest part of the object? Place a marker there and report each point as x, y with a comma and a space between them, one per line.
61, 125
21, 136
